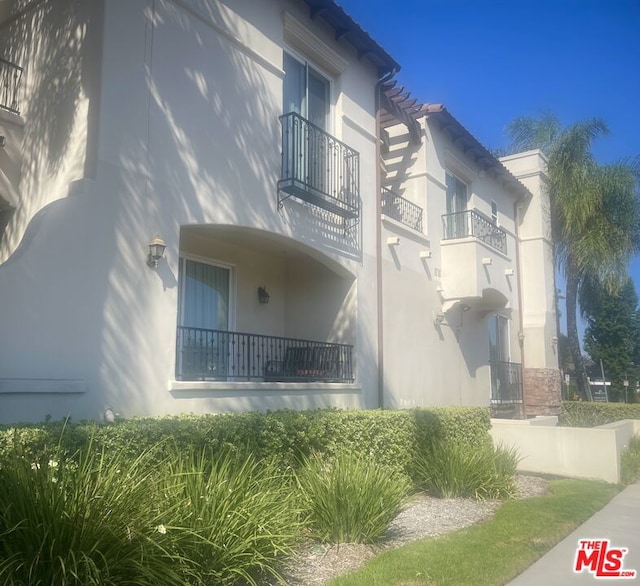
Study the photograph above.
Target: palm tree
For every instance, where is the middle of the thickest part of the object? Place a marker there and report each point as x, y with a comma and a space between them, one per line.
595, 213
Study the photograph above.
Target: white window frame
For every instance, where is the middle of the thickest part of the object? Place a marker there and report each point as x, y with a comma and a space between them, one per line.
467, 185
307, 62
499, 316
494, 213
231, 317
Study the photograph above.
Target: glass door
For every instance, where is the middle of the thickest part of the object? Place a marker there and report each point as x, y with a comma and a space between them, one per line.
499, 356
307, 92
456, 226
204, 309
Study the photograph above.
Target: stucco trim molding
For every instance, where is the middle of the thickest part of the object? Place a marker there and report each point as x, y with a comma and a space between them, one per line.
396, 226
11, 118
299, 36
241, 388
358, 128
42, 385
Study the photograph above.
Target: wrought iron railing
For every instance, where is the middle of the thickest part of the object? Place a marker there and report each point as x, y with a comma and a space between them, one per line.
203, 354
506, 383
318, 168
473, 223
10, 79
397, 207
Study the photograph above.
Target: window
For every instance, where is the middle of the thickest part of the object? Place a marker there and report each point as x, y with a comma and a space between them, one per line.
306, 91
203, 319
499, 338
456, 206
494, 212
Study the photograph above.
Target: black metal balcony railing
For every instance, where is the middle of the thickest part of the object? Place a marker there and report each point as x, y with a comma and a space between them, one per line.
204, 354
473, 223
506, 383
397, 207
10, 78
318, 168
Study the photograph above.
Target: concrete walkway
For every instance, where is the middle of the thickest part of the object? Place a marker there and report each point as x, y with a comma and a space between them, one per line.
618, 521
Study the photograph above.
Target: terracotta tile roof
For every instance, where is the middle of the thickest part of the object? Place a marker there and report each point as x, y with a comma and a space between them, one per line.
471, 146
348, 29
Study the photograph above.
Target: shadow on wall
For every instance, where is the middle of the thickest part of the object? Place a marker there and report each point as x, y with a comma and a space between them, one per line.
48, 39
212, 157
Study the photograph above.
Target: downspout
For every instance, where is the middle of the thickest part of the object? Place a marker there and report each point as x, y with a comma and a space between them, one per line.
378, 105
516, 215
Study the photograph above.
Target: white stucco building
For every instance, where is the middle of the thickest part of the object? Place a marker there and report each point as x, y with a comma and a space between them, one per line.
255, 140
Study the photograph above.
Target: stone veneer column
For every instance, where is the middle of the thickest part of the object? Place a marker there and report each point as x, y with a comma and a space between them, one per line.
542, 391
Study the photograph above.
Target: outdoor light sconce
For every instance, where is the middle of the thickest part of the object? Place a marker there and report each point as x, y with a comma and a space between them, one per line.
263, 296
156, 251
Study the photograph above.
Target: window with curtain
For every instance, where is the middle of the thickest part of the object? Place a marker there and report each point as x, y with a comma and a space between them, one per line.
204, 298
205, 295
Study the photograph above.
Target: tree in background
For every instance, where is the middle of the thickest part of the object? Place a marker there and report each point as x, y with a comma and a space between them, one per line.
613, 331
595, 214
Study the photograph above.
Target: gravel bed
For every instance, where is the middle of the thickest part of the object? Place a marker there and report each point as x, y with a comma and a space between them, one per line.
425, 516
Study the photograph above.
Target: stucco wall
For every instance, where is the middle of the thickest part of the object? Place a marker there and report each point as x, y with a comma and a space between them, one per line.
187, 134
445, 363
58, 45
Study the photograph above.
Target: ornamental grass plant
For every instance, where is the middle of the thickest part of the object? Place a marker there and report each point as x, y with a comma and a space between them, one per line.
630, 461
450, 470
233, 516
350, 497
194, 518
82, 521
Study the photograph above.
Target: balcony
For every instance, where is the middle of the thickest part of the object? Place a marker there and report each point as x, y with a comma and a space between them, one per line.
470, 223
318, 169
506, 390
475, 266
402, 210
10, 79
506, 383
203, 354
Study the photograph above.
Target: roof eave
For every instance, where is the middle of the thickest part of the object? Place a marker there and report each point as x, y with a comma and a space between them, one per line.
347, 29
483, 157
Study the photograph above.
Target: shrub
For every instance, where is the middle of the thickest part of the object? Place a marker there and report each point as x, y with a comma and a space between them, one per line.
285, 436
350, 498
81, 522
230, 516
630, 461
449, 470
588, 414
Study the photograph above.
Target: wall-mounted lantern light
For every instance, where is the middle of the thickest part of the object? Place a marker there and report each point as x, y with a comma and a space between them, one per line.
263, 296
156, 251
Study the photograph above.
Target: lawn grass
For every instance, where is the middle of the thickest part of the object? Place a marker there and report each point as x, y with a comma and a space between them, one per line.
493, 552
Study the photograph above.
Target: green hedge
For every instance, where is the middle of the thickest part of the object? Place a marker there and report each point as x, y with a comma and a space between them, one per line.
390, 437
587, 414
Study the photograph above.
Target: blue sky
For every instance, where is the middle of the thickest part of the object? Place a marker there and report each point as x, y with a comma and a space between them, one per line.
490, 61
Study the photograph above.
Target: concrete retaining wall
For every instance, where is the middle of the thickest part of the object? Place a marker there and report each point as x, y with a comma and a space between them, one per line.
566, 451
